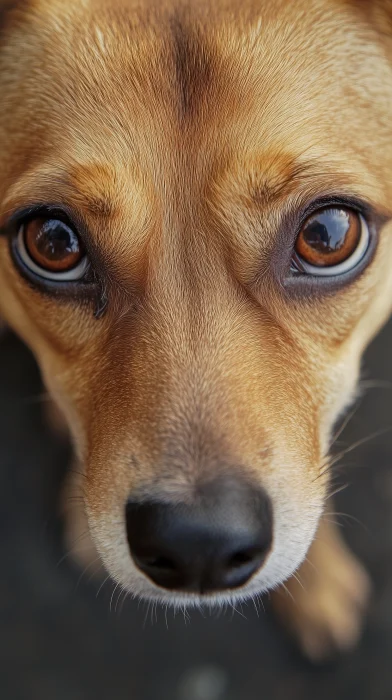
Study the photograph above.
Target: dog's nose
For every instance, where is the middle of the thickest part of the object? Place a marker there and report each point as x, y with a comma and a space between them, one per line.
215, 543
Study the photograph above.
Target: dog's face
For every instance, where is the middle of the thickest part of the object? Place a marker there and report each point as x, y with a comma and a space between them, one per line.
196, 245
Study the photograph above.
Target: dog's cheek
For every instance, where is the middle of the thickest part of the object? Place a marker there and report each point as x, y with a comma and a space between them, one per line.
340, 394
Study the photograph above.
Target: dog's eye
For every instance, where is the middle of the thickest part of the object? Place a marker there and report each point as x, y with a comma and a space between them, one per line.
332, 241
52, 249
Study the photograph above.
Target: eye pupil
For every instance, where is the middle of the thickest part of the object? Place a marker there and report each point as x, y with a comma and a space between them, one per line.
52, 244
329, 237
317, 236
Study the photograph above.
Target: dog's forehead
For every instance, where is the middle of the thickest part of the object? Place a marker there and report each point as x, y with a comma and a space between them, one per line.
177, 58
133, 99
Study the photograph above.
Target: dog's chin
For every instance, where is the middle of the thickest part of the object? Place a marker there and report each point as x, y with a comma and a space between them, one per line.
288, 551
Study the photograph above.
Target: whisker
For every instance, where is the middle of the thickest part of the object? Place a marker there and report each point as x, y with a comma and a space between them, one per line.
76, 472
254, 601
152, 613
289, 593
85, 570
71, 552
235, 610
121, 591
76, 503
349, 517
111, 597
102, 585
186, 615
375, 384
127, 593
146, 615
300, 583
311, 563
339, 489
345, 423
336, 523
359, 443
259, 598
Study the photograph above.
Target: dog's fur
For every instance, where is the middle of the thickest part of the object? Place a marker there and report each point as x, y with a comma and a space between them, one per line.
186, 137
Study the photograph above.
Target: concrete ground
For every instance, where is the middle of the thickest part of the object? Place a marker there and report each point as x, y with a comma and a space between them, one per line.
60, 641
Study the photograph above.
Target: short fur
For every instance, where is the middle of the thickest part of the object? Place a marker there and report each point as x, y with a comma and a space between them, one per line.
187, 138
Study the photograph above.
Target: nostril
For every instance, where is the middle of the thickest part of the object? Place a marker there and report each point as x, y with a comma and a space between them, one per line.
163, 563
240, 559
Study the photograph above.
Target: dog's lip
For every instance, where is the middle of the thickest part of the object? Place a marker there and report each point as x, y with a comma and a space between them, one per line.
152, 592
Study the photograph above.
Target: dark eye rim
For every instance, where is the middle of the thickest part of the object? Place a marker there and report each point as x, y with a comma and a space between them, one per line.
86, 287
300, 284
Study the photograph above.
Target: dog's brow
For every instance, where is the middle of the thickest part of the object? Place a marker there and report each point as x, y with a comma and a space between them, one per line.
92, 188
98, 206
282, 176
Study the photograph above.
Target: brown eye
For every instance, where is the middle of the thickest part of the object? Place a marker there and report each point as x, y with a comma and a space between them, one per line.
52, 244
52, 249
331, 241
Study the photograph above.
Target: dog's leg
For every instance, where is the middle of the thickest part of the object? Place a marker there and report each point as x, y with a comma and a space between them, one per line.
323, 604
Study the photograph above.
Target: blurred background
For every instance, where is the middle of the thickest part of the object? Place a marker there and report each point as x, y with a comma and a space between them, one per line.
59, 640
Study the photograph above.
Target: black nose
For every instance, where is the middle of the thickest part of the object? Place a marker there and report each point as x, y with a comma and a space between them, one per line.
215, 543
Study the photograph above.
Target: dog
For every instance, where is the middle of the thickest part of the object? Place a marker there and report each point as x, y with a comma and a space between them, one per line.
196, 244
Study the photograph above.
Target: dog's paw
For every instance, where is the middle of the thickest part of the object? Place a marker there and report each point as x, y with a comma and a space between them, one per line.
325, 603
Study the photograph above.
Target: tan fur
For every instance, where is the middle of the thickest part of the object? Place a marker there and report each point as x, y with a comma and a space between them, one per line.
184, 136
